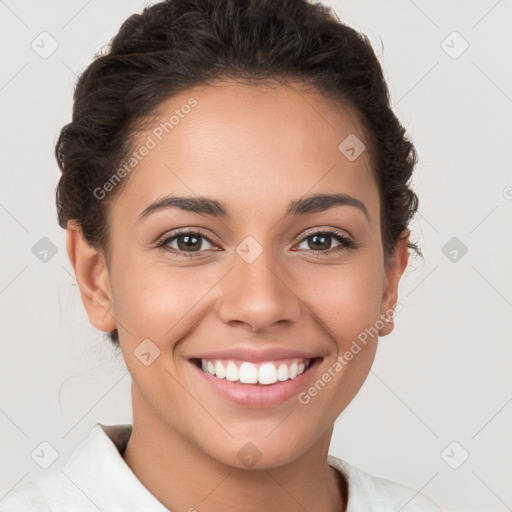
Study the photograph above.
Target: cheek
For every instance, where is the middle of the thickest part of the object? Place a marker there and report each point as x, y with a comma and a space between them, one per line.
151, 299
345, 301
346, 298
154, 299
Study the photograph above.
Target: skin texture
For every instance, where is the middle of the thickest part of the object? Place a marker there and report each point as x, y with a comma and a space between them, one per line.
256, 148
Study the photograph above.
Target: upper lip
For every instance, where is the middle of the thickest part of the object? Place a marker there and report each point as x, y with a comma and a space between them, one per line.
255, 355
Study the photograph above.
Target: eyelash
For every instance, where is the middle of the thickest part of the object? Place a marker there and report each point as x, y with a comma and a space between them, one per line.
346, 243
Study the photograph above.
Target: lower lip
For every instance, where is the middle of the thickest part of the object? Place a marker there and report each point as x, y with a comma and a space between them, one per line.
258, 395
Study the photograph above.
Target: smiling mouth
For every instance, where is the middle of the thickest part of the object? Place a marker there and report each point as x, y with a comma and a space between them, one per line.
261, 373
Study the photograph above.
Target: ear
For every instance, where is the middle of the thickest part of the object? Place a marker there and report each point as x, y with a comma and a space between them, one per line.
394, 269
91, 272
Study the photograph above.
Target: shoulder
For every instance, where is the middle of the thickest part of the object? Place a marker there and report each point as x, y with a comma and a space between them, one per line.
95, 477
27, 497
371, 493
54, 492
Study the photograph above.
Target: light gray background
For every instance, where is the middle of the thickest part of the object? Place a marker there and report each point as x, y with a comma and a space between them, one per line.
443, 375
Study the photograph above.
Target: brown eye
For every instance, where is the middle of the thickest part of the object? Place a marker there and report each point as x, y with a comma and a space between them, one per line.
184, 242
322, 241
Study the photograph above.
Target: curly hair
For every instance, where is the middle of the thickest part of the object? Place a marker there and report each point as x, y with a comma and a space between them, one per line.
175, 45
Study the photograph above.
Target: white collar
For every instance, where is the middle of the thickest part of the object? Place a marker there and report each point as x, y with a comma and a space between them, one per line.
98, 469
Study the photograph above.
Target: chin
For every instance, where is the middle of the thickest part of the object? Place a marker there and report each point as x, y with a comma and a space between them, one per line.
260, 452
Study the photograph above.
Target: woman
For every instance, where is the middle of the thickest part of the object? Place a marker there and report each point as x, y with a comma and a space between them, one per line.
235, 196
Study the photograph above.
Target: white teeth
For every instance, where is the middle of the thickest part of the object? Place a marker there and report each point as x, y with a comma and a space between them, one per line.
219, 370
249, 373
267, 374
282, 372
232, 373
292, 371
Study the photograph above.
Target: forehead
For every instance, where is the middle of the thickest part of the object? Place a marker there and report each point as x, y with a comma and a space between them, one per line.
253, 144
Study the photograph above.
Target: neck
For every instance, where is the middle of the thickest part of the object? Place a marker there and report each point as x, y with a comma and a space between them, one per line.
183, 477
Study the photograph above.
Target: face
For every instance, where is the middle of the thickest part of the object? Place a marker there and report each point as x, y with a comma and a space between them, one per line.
264, 274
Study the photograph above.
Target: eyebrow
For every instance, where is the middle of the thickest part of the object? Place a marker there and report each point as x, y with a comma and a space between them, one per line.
208, 206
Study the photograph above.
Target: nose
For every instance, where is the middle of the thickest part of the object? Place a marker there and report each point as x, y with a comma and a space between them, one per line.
259, 294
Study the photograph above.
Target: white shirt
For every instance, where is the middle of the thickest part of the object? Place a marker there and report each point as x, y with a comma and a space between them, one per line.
96, 478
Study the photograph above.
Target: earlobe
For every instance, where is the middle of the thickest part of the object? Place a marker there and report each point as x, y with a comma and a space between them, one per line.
393, 272
92, 276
